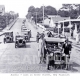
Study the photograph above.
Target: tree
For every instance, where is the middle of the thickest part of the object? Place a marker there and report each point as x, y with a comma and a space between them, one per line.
49, 10
33, 12
72, 10
73, 14
63, 13
28, 16
31, 9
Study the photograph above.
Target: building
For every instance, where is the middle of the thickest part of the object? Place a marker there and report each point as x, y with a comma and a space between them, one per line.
53, 19
46, 21
2, 9
72, 23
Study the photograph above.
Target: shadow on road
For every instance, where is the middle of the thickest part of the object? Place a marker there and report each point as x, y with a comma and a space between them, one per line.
28, 46
74, 70
75, 64
31, 41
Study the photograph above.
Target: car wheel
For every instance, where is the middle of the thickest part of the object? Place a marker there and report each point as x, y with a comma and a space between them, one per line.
15, 46
4, 41
25, 46
12, 40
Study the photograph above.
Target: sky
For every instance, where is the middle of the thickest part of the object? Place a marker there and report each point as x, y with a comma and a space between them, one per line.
21, 6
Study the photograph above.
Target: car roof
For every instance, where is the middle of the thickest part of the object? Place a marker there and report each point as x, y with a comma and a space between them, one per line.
52, 39
25, 30
19, 36
50, 28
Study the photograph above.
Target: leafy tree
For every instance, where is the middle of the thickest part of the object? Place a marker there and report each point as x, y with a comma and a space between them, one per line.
38, 12
63, 13
31, 9
49, 10
73, 14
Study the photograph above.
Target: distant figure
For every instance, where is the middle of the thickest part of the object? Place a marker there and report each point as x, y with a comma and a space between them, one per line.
71, 33
49, 34
43, 35
40, 55
37, 37
17, 33
77, 37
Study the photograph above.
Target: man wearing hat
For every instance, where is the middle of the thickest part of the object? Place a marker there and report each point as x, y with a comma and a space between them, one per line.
49, 34
66, 49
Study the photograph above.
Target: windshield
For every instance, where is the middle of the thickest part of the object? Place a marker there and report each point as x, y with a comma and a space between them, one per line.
53, 44
19, 36
24, 29
9, 33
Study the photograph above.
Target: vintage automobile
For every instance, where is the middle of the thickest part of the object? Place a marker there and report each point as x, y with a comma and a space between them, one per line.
23, 27
20, 41
53, 53
8, 36
27, 34
24, 21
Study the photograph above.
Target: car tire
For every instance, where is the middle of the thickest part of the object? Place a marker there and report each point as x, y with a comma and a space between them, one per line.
12, 40
4, 41
15, 46
25, 46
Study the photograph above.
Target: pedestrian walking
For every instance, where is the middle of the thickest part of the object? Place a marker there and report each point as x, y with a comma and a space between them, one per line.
40, 54
71, 33
77, 37
38, 37
67, 50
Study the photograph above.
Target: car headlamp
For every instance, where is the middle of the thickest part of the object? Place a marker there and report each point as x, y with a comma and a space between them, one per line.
51, 54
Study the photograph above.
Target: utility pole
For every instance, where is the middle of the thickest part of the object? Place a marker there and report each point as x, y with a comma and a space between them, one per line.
63, 28
43, 14
36, 17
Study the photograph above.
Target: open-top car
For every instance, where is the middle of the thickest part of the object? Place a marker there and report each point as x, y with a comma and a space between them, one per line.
23, 27
53, 52
20, 41
8, 36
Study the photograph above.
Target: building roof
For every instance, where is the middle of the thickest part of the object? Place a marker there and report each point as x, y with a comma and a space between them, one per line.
57, 18
74, 20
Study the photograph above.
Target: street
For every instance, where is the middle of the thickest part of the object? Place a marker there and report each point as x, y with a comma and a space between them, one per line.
25, 60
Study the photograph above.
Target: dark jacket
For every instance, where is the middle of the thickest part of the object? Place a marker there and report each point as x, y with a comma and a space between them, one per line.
67, 48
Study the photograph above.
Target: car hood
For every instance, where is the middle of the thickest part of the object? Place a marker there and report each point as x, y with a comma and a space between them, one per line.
19, 38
